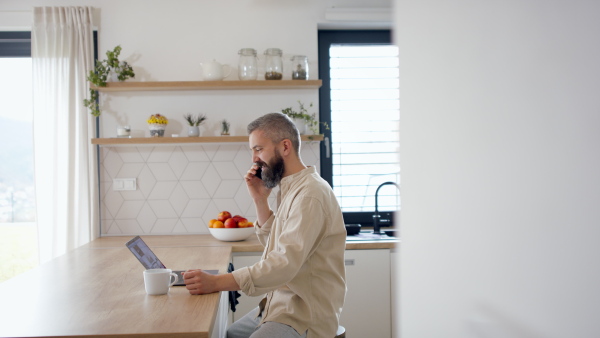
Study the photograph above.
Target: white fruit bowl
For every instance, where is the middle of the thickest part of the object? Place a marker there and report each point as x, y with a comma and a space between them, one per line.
231, 234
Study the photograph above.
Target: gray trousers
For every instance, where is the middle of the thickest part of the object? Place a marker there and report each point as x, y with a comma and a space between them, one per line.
247, 327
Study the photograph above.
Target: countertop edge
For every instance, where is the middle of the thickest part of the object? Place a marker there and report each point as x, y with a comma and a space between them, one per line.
249, 245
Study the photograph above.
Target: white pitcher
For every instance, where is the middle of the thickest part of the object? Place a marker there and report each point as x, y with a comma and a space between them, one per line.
214, 71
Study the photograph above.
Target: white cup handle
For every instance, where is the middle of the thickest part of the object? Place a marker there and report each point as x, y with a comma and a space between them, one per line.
227, 70
176, 279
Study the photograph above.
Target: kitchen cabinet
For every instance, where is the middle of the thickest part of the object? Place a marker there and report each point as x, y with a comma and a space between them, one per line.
221, 320
247, 303
367, 308
395, 292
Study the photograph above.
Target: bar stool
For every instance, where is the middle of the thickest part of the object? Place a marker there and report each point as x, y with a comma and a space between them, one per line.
341, 332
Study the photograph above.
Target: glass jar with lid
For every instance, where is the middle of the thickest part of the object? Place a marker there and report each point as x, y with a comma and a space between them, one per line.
273, 64
299, 67
247, 67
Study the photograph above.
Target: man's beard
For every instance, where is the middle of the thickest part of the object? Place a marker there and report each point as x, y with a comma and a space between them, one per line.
273, 172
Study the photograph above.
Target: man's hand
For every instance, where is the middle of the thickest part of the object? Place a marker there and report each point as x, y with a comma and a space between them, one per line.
256, 187
260, 194
199, 282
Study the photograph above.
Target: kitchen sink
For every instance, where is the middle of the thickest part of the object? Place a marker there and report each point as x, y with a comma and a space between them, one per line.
369, 236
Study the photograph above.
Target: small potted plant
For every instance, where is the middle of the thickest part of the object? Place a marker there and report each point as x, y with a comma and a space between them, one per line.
157, 124
100, 75
225, 127
194, 124
305, 121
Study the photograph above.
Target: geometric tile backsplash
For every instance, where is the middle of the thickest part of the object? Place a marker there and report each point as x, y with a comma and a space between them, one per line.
179, 187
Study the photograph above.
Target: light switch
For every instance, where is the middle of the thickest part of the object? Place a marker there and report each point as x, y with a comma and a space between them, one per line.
117, 184
129, 184
124, 184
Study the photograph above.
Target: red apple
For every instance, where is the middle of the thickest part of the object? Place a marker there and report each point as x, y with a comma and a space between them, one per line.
231, 223
223, 215
243, 223
237, 218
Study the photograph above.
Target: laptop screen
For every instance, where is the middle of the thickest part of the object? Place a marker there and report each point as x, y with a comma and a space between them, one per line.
143, 253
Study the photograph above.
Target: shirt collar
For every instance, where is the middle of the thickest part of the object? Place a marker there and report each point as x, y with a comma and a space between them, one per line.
289, 181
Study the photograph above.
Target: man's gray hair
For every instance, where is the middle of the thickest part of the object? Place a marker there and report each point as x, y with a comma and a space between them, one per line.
277, 127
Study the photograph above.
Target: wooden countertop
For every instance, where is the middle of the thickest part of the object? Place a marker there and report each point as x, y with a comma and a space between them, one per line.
100, 292
250, 245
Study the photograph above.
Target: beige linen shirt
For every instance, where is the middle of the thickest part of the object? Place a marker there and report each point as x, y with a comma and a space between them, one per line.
302, 267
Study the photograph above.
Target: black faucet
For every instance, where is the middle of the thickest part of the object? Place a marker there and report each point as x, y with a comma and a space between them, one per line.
376, 216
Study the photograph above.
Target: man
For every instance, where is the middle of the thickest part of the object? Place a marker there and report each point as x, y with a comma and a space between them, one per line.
302, 268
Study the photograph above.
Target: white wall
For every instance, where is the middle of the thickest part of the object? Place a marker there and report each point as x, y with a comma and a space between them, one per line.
167, 41
500, 122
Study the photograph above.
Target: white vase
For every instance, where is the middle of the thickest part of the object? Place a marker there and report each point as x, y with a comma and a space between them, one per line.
157, 129
113, 76
301, 125
193, 131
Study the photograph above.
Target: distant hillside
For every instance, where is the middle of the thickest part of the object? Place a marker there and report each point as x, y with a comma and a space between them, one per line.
16, 153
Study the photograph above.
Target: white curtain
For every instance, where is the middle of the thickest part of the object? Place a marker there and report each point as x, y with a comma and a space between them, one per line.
66, 194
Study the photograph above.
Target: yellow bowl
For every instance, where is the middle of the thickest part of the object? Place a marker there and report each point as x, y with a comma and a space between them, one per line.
231, 234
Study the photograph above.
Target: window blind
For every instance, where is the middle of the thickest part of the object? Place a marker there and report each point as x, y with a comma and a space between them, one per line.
365, 125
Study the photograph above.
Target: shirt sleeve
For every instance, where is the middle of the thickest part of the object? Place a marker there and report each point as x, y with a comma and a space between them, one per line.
302, 231
263, 231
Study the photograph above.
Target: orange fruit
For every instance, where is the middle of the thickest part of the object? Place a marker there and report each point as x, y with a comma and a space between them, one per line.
211, 223
243, 222
218, 224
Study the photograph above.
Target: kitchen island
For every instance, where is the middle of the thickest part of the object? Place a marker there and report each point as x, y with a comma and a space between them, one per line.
97, 290
100, 292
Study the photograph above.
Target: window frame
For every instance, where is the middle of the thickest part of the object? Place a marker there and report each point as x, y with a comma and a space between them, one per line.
15, 44
325, 39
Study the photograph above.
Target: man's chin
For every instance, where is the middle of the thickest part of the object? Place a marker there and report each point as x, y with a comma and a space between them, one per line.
270, 183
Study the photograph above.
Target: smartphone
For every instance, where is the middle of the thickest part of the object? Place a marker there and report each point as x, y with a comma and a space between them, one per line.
259, 173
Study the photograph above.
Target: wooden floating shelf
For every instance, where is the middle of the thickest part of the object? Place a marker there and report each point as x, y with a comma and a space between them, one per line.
208, 85
175, 140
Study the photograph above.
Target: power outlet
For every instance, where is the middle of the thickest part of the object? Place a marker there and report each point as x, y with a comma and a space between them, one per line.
124, 184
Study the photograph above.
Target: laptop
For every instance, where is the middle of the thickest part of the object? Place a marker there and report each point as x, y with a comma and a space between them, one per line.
142, 252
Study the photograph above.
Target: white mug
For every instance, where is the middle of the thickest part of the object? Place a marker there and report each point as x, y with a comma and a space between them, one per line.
158, 281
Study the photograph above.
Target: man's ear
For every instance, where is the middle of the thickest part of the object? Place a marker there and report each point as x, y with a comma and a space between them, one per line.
286, 146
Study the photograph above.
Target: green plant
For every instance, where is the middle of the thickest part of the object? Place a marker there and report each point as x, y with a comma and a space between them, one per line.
99, 75
303, 114
158, 119
194, 121
225, 127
